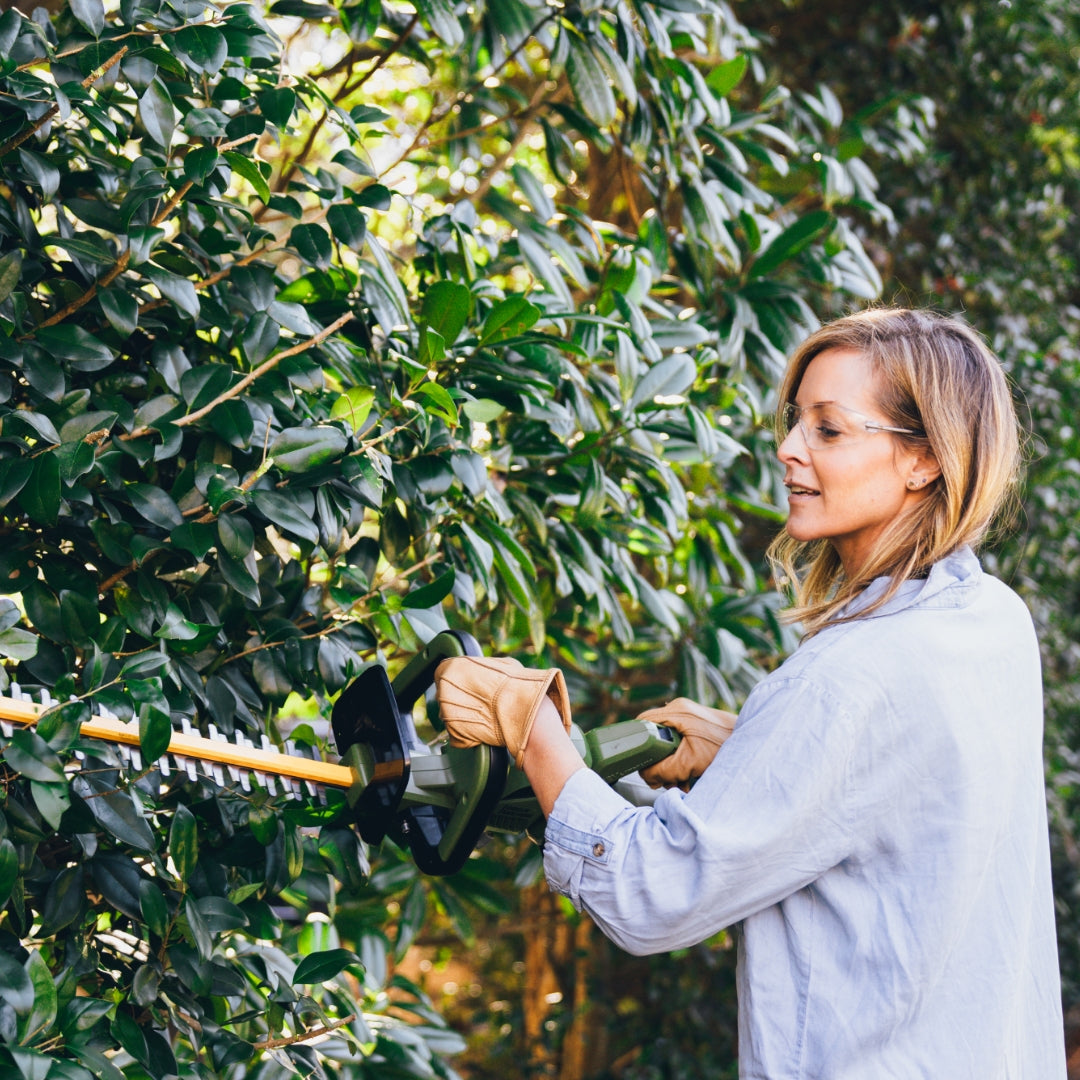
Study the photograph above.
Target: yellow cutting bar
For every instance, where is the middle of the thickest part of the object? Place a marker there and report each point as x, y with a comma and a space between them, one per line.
200, 748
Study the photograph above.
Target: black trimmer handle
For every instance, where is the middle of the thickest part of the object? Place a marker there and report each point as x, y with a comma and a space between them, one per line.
374, 731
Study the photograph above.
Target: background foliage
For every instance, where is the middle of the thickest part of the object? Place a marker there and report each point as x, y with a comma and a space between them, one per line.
327, 326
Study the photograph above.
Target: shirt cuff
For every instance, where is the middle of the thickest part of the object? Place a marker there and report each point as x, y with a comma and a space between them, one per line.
578, 832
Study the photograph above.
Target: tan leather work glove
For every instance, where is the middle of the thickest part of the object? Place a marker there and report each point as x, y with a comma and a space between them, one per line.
495, 699
703, 732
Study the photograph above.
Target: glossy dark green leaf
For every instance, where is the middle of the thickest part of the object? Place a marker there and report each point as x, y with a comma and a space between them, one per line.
220, 914
153, 907
201, 46
277, 105
441, 17
429, 595
287, 514
155, 505
155, 731
10, 271
115, 812
52, 800
299, 449
157, 113
348, 225
40, 496
260, 337
65, 900
200, 162
321, 967
204, 384
18, 644
91, 13
42, 1014
176, 289
14, 473
31, 756
184, 842
312, 244
15, 985
9, 872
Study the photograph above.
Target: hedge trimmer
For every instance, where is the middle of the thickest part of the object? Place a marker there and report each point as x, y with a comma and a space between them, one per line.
435, 799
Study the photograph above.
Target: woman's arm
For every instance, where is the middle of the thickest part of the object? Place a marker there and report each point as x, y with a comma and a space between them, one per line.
549, 757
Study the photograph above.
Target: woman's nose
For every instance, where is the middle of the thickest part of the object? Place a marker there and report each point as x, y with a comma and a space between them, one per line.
793, 447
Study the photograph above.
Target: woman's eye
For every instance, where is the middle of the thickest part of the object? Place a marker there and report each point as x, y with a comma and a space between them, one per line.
827, 433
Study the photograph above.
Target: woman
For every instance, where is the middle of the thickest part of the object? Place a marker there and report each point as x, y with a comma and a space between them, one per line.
876, 820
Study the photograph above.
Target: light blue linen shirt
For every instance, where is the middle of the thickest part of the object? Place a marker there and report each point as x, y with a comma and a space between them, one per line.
877, 822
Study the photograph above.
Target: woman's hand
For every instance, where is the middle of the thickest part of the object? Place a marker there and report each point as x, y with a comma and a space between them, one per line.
495, 700
703, 732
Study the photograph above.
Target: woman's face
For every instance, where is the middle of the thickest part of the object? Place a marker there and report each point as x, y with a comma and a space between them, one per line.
854, 483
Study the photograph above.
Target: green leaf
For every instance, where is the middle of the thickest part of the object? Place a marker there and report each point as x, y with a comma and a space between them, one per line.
90, 13
439, 401
17, 644
200, 162
14, 473
725, 77
121, 309
64, 901
508, 319
115, 811
9, 874
31, 756
312, 244
10, 271
590, 83
432, 594
791, 241
154, 909
277, 105
441, 17
84, 351
353, 406
155, 731
175, 288
321, 967
299, 449
15, 985
155, 505
445, 309
202, 47
347, 225
157, 113
39, 1020
671, 377
184, 842
483, 410
286, 513
250, 172
51, 799
260, 337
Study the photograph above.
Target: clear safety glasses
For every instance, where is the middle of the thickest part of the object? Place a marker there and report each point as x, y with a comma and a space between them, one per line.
827, 424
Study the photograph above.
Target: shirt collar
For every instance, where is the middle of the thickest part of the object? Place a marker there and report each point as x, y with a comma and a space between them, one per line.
950, 583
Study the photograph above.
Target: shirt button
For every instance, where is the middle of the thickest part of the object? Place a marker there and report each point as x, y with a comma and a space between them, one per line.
598, 849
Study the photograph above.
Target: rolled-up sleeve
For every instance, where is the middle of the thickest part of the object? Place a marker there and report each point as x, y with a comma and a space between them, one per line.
771, 813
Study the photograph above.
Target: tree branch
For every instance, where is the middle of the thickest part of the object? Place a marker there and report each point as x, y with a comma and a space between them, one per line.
314, 1033
264, 367
53, 109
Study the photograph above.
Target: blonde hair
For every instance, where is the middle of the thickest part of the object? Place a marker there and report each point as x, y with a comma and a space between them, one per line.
936, 376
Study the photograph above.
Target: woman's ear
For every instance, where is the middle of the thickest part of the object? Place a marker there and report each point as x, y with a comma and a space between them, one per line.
923, 471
